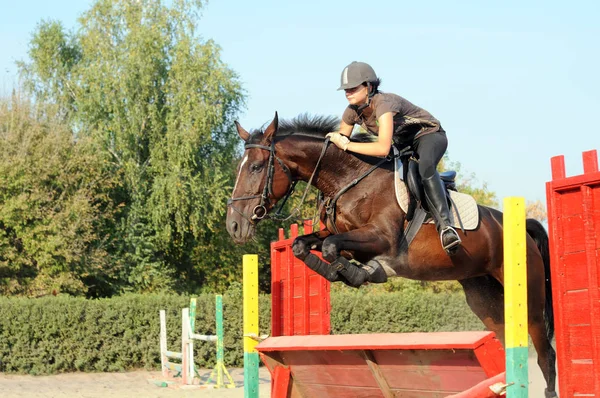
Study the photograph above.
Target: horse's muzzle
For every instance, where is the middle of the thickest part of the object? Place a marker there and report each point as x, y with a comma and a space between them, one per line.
240, 233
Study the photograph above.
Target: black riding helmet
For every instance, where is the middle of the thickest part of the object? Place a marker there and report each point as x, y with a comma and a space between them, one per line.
356, 74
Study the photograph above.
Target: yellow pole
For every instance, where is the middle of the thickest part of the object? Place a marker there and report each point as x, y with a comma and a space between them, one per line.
251, 360
515, 297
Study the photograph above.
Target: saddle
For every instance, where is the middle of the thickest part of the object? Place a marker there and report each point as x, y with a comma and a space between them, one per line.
464, 212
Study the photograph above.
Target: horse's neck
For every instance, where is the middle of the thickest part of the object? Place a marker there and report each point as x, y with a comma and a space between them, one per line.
336, 170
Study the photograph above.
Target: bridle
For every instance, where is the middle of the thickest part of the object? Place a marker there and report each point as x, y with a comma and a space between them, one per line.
260, 211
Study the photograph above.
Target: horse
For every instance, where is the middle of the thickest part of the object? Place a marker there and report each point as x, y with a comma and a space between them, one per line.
366, 224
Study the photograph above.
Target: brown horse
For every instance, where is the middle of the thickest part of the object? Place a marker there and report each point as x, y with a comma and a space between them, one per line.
367, 225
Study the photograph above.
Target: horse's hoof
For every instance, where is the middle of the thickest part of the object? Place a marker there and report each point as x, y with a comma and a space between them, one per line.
376, 272
550, 394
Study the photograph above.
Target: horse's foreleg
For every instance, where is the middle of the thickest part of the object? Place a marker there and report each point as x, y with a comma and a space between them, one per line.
304, 244
366, 240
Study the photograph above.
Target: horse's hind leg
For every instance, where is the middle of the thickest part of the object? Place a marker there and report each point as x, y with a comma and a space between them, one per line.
536, 323
485, 297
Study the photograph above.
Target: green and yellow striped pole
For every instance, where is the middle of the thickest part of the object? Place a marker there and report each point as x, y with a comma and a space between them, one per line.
251, 360
515, 297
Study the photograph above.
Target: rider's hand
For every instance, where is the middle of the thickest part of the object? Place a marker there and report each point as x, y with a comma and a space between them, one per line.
341, 141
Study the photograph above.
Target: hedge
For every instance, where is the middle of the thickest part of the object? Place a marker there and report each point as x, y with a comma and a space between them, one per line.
63, 334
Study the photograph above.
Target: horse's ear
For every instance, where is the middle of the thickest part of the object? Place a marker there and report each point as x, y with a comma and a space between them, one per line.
244, 135
272, 129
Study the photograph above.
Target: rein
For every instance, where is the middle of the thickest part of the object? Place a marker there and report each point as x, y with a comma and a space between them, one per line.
330, 206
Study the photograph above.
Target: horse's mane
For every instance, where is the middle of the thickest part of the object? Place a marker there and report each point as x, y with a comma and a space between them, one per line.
316, 127
309, 126
304, 125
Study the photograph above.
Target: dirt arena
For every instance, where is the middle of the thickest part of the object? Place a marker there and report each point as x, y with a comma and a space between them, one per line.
141, 384
119, 385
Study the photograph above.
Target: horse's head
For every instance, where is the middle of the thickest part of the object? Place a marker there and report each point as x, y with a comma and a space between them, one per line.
262, 179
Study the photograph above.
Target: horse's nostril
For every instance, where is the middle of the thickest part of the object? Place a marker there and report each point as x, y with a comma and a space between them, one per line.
234, 226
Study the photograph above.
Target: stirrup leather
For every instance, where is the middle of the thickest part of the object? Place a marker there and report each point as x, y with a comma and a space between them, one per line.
452, 245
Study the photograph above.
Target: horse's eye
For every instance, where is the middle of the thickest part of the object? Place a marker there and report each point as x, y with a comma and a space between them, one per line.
256, 167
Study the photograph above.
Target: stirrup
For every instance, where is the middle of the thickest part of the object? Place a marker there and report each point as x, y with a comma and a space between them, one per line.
451, 247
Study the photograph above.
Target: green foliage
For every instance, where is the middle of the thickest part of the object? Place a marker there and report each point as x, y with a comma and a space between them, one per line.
64, 334
138, 80
412, 309
117, 180
55, 205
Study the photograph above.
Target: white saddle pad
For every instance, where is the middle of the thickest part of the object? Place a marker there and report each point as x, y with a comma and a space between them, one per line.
465, 204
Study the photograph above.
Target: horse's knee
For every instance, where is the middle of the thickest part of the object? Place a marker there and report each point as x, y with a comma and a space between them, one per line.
300, 248
329, 250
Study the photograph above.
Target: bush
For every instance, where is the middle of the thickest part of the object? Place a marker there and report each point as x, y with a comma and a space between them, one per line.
64, 334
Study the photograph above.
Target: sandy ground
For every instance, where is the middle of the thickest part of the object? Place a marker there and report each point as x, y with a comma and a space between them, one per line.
120, 385
141, 384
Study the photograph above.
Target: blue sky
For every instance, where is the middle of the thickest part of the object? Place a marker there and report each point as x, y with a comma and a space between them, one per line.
513, 83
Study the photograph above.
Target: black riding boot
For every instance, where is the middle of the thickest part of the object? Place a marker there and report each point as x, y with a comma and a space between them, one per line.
435, 195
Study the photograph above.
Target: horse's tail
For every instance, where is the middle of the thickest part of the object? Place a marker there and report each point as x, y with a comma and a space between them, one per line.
537, 231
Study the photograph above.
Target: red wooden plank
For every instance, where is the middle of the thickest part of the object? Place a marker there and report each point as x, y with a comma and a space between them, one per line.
447, 370
590, 161
438, 340
482, 390
558, 167
299, 292
491, 357
591, 232
573, 267
576, 181
335, 391
574, 229
571, 202
308, 227
582, 380
276, 290
580, 342
324, 391
555, 225
418, 373
288, 273
403, 369
573, 234
281, 385
577, 307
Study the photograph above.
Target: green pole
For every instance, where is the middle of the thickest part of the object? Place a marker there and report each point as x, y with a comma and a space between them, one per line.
220, 360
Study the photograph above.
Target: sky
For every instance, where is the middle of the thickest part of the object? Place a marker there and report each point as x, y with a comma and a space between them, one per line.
513, 83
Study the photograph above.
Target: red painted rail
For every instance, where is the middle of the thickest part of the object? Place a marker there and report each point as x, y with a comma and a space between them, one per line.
574, 230
411, 365
300, 297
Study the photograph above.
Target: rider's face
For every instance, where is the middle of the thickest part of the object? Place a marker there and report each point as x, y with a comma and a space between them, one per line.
357, 95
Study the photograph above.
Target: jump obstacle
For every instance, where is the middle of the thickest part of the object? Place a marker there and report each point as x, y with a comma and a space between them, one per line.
186, 367
574, 230
459, 364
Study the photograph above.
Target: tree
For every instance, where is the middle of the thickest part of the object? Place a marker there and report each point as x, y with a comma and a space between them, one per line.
136, 78
536, 210
55, 206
